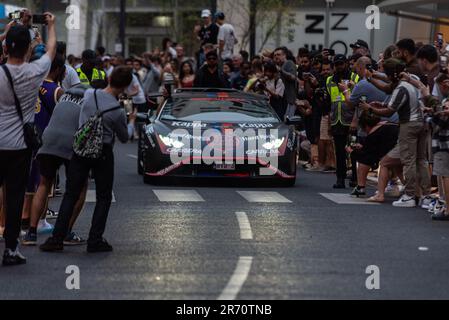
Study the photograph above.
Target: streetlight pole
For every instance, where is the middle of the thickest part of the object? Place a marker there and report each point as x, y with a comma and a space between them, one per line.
329, 4
252, 27
122, 25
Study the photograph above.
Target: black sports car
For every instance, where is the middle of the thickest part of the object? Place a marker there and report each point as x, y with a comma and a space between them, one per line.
217, 133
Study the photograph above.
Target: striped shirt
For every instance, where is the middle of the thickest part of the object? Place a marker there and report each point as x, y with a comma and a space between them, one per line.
405, 101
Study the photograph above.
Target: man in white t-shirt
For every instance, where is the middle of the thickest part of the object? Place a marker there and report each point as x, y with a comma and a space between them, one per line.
226, 37
15, 156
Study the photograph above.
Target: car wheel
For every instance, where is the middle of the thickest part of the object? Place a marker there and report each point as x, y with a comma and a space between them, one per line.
148, 180
140, 170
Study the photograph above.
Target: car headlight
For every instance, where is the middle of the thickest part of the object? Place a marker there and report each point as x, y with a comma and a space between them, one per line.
273, 145
170, 142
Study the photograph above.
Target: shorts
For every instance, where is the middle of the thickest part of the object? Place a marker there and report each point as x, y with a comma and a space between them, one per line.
392, 159
324, 129
34, 179
49, 165
441, 164
141, 108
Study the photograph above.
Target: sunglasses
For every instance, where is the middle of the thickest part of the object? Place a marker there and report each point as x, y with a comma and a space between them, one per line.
212, 59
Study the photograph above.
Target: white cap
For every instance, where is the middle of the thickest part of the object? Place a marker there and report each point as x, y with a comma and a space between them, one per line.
206, 13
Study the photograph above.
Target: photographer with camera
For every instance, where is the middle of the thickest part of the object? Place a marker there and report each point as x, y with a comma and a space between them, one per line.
19, 89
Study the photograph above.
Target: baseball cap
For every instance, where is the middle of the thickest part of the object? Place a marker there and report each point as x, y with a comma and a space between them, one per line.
220, 15
206, 13
359, 44
340, 58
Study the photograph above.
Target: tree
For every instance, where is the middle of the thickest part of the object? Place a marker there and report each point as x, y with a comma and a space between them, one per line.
267, 14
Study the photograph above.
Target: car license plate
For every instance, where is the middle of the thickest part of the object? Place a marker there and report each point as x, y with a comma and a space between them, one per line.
225, 167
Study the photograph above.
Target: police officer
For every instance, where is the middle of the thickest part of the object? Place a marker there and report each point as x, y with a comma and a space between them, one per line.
341, 114
88, 72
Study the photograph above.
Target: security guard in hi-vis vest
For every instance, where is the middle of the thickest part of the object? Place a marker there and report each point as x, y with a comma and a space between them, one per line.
341, 114
88, 73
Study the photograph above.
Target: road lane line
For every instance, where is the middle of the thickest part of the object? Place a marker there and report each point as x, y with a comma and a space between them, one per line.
237, 280
178, 196
263, 197
132, 156
342, 198
245, 227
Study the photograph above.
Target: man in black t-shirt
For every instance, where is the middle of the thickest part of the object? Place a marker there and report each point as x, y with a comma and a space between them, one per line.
210, 75
207, 34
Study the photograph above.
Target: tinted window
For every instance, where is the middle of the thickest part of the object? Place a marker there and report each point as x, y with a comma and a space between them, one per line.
210, 110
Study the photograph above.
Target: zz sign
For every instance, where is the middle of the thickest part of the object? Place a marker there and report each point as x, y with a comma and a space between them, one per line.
318, 19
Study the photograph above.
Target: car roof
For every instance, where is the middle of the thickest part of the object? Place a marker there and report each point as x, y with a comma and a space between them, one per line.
212, 92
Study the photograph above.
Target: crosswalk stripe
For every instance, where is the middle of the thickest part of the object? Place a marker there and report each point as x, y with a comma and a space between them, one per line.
342, 198
263, 197
178, 196
92, 198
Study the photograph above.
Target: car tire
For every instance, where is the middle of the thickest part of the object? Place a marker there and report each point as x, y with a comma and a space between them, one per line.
148, 180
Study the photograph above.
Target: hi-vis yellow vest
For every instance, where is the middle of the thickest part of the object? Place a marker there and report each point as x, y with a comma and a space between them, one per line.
340, 112
96, 75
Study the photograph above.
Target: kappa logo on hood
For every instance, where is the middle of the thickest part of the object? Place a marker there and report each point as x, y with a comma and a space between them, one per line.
188, 124
256, 125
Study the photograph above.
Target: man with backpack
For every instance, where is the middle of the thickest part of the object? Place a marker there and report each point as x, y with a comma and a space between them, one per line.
101, 119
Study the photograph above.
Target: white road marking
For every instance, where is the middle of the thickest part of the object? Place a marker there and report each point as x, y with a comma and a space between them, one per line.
245, 227
91, 197
132, 156
342, 198
263, 197
237, 280
423, 249
178, 196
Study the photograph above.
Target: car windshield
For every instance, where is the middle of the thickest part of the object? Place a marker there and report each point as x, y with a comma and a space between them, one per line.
210, 110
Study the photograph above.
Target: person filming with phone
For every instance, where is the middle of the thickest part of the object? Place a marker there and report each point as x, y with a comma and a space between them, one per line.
19, 85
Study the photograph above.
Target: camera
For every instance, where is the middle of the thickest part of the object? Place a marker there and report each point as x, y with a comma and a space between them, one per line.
16, 15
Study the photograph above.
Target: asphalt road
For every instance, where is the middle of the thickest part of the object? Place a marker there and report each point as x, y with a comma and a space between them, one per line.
288, 244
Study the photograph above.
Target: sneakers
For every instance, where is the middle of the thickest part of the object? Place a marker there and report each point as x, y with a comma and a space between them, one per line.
74, 240
52, 245
358, 192
11, 258
30, 239
100, 246
426, 202
315, 169
441, 215
51, 214
437, 207
44, 227
392, 190
405, 201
